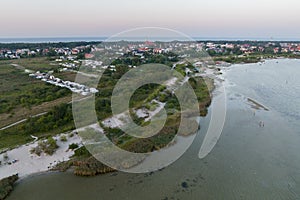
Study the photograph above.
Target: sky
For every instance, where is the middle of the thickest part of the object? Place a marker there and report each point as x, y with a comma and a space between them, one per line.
196, 18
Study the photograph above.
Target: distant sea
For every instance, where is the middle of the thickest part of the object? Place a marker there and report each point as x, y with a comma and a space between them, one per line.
96, 39
51, 39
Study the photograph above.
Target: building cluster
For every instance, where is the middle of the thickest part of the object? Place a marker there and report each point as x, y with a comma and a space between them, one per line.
252, 47
68, 63
287, 47
109, 52
74, 87
18, 53
138, 49
6, 53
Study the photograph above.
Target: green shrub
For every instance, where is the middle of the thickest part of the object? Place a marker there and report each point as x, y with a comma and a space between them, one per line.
63, 138
73, 146
49, 147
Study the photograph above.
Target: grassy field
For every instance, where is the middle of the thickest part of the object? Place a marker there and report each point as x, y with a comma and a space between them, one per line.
37, 64
59, 119
22, 97
20, 113
67, 75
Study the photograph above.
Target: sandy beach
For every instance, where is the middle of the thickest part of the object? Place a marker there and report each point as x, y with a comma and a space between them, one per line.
21, 161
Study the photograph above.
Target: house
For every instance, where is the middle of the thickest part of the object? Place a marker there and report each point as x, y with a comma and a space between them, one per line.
88, 56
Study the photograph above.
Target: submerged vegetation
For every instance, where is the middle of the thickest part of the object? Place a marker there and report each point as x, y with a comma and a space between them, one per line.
83, 164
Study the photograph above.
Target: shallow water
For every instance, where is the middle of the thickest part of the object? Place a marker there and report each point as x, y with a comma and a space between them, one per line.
248, 162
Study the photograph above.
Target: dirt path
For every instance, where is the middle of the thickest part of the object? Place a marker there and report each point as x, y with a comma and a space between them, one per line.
21, 121
21, 114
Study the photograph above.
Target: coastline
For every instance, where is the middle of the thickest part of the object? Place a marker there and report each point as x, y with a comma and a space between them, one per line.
63, 155
20, 161
210, 72
255, 59
227, 161
25, 164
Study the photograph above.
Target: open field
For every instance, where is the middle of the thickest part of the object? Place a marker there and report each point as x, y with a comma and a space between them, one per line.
37, 64
18, 114
22, 97
19, 91
58, 120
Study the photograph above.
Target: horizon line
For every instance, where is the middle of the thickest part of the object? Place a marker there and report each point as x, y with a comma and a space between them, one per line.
47, 39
